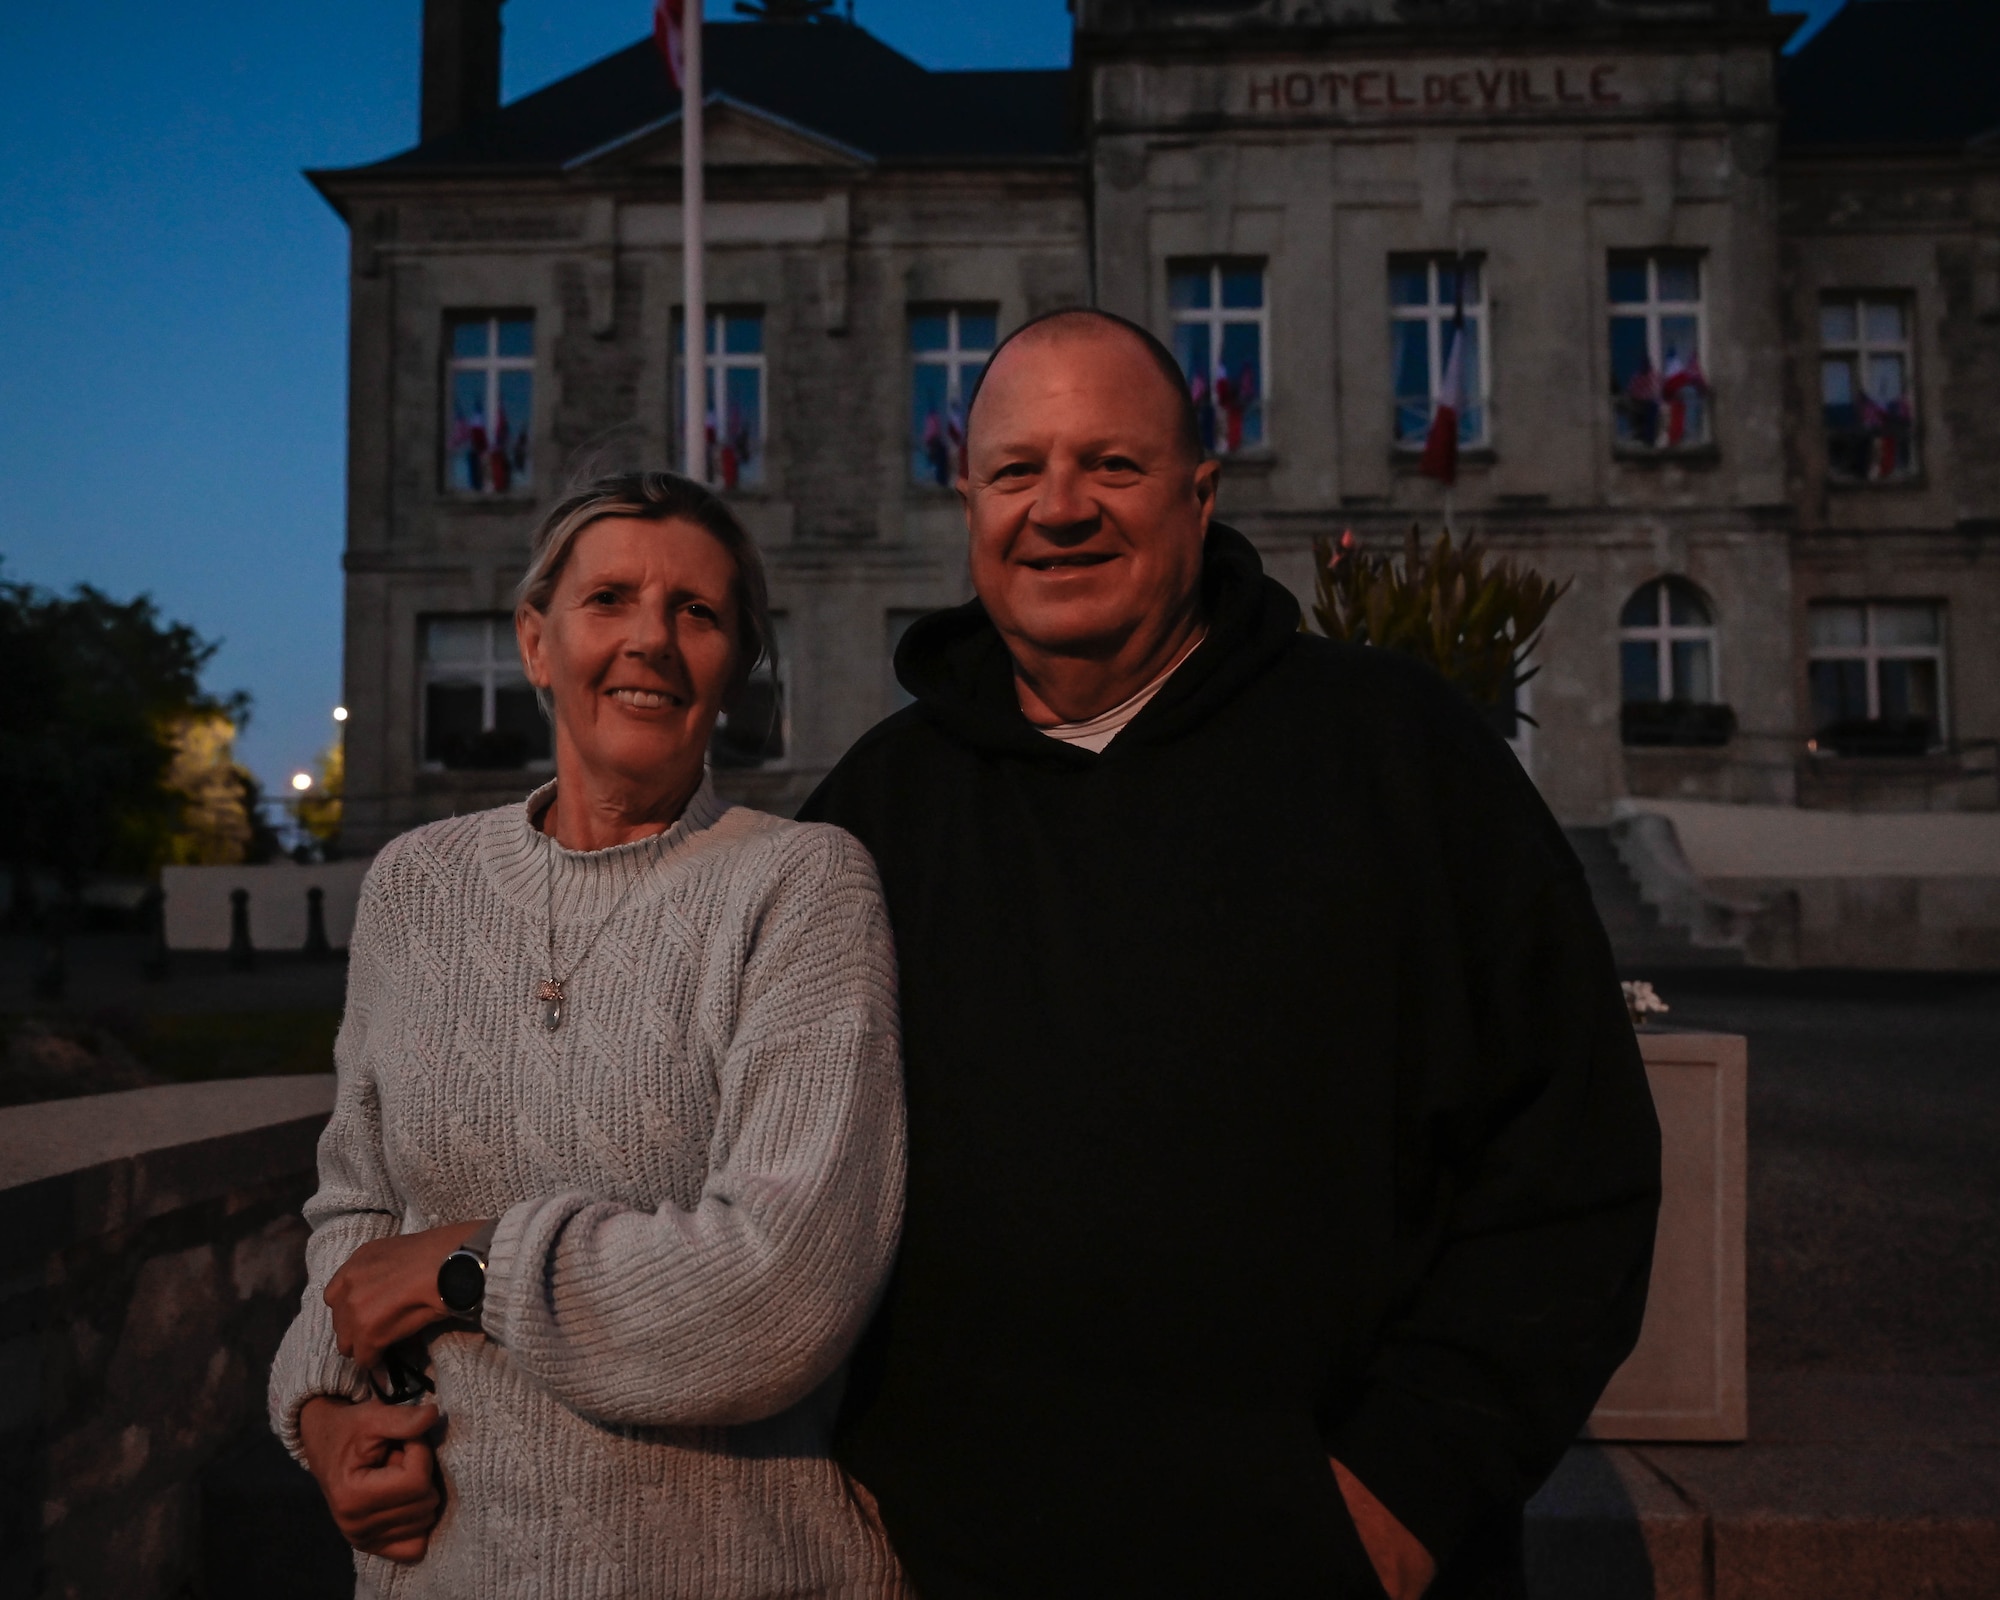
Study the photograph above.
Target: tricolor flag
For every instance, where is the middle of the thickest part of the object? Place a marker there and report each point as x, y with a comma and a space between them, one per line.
1440, 458
667, 21
1681, 377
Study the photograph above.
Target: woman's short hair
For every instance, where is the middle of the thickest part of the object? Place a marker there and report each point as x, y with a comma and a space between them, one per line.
657, 497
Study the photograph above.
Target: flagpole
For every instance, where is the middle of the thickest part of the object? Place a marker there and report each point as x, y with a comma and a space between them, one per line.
694, 318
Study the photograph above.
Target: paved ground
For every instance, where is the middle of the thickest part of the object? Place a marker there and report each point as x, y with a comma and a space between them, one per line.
1874, 1229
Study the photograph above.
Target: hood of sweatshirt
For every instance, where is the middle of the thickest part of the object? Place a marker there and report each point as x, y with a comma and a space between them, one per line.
957, 666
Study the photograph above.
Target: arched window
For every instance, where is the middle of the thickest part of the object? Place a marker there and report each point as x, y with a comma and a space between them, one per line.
1666, 644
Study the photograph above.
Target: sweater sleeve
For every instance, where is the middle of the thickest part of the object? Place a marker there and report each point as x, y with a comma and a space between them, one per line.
1539, 1232
740, 1307
355, 1203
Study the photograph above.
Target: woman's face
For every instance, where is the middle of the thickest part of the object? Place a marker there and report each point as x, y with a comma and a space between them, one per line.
638, 649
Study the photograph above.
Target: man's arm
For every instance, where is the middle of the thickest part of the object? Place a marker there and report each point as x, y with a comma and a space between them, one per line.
1535, 1292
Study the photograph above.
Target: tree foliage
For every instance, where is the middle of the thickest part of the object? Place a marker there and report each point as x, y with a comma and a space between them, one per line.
320, 811
98, 691
1475, 622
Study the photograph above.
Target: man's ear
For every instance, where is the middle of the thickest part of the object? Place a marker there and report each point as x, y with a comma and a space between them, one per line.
528, 635
1207, 483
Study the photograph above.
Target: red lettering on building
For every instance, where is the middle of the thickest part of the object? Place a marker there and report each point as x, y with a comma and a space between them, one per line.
1331, 83
1268, 87
1525, 93
1489, 86
1396, 99
1461, 89
1362, 95
1298, 89
1563, 94
1599, 91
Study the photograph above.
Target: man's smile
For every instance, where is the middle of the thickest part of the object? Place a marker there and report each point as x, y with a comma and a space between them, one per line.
1075, 558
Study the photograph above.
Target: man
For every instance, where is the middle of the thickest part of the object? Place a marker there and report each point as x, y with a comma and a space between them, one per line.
1282, 1170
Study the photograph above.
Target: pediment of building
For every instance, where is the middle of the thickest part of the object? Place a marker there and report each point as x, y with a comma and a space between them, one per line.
736, 134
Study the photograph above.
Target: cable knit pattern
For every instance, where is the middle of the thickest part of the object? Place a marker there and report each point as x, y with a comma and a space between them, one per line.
699, 1184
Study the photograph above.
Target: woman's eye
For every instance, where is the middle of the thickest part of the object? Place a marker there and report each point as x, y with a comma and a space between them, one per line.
705, 612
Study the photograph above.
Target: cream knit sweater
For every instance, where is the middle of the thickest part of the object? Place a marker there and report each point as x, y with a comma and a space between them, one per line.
699, 1184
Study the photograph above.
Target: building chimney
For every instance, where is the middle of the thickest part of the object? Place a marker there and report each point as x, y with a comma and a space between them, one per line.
461, 64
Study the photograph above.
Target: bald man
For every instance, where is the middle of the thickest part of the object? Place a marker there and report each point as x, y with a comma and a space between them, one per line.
1282, 1170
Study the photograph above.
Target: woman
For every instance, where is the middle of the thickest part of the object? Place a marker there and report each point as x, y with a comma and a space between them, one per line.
616, 1154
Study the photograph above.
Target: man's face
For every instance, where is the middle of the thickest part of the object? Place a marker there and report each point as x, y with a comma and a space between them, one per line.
1086, 509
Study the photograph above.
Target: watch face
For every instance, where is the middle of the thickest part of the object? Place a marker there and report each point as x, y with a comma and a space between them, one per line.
461, 1282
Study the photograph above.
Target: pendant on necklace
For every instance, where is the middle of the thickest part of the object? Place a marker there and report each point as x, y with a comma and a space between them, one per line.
550, 993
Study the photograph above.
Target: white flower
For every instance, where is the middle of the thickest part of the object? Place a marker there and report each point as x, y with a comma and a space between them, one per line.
1641, 1002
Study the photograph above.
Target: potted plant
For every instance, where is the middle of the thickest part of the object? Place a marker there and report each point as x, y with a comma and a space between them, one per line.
1475, 620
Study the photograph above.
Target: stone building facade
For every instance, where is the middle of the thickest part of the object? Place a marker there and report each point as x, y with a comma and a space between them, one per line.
1731, 323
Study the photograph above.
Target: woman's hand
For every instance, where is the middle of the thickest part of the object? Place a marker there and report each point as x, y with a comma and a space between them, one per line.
388, 1291
376, 1472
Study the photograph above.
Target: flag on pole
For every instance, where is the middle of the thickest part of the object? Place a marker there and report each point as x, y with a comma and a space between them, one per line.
667, 22
1440, 457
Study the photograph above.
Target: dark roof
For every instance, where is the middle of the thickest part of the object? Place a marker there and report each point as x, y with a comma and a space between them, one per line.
1896, 72
832, 78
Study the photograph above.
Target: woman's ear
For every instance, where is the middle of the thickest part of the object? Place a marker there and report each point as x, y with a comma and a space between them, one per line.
530, 634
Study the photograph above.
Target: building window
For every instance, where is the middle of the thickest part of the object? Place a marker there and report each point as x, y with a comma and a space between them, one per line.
949, 347
1423, 306
1876, 671
1667, 668
1866, 397
756, 730
1659, 388
736, 427
490, 403
479, 710
1222, 339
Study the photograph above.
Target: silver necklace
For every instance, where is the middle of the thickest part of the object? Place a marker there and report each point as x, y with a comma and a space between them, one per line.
553, 991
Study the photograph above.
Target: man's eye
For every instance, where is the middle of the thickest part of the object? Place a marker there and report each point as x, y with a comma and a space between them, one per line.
1118, 464
1016, 469
604, 597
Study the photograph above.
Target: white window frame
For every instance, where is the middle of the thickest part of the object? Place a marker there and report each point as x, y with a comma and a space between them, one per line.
1438, 317
1861, 347
492, 364
1652, 309
1663, 634
718, 362
1215, 316
953, 357
1875, 654
500, 666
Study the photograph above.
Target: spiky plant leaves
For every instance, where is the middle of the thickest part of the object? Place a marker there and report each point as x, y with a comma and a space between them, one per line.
1476, 624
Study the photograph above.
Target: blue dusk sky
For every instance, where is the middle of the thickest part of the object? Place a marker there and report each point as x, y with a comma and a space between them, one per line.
173, 312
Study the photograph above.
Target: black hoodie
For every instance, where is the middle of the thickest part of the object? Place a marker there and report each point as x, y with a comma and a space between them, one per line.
1271, 1096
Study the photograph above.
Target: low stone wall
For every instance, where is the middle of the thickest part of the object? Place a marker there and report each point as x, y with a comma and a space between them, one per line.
151, 1257
1908, 890
198, 909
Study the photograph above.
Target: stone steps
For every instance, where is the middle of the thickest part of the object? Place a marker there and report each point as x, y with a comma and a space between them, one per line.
1640, 941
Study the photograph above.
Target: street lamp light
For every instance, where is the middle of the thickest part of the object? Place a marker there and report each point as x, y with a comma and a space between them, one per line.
340, 713
302, 781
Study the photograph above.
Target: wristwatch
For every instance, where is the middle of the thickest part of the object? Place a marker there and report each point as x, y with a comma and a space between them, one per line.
461, 1281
